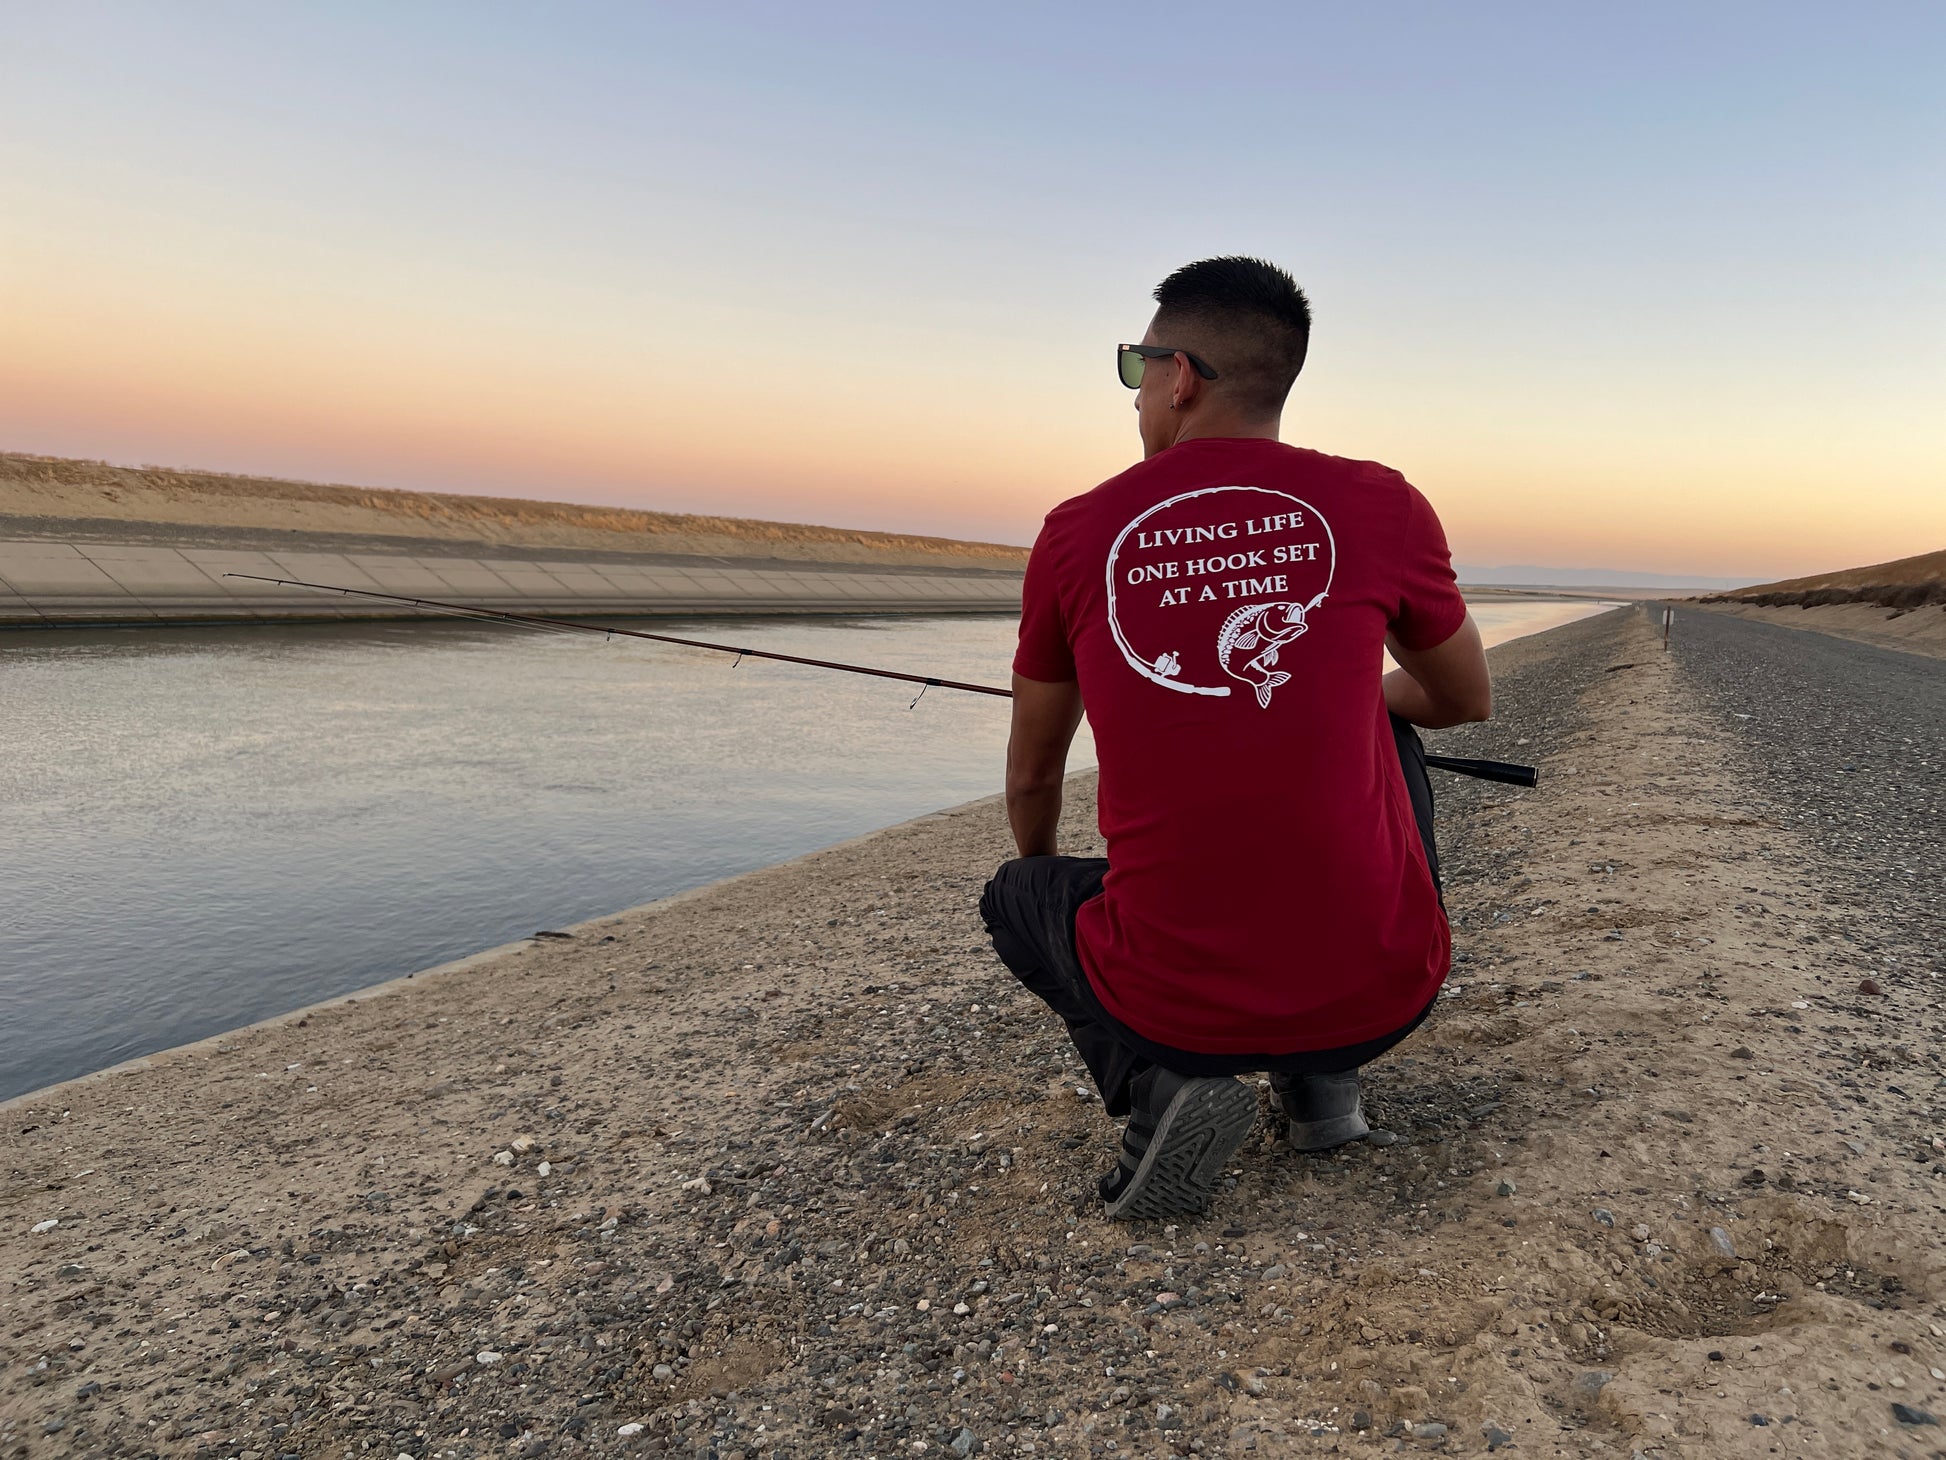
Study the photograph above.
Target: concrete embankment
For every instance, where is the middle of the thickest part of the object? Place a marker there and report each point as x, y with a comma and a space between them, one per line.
48, 583
789, 1166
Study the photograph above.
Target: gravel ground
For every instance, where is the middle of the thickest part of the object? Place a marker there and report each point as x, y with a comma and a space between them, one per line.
788, 1168
1848, 743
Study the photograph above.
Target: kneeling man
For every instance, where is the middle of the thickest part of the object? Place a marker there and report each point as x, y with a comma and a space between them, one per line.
1269, 901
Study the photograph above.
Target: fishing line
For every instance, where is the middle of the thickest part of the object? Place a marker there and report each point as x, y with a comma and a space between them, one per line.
1486, 770
561, 625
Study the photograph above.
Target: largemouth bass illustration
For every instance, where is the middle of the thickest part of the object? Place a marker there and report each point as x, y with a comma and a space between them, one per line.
1260, 631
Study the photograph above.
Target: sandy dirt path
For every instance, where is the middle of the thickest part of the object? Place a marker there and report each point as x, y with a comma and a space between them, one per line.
787, 1168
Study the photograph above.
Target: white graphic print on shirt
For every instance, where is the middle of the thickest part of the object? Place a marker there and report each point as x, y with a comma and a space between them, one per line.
1214, 585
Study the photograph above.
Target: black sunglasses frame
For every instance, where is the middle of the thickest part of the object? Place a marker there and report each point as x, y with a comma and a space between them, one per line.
1158, 352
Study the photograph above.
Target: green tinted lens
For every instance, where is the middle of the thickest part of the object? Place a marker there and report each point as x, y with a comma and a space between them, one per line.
1131, 364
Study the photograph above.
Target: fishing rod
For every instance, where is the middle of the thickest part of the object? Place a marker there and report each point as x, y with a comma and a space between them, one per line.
1503, 771
1486, 770
925, 681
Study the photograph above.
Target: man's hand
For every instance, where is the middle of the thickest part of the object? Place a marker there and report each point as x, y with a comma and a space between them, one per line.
1446, 685
1045, 719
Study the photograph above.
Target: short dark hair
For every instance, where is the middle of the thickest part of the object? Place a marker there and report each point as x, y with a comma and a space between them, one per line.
1251, 319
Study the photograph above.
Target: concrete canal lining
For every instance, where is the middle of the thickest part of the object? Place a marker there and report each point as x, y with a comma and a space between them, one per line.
53, 583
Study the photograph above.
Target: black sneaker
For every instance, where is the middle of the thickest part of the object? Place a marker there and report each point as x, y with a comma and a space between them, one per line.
1179, 1134
1324, 1111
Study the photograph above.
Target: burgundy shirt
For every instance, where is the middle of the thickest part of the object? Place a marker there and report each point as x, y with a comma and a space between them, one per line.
1224, 606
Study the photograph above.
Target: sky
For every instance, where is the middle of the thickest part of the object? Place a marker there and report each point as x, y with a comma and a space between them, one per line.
1655, 286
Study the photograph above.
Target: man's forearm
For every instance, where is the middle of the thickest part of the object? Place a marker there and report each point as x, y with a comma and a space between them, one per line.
1408, 699
1034, 812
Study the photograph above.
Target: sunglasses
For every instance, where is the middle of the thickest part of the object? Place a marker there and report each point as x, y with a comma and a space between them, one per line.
1129, 360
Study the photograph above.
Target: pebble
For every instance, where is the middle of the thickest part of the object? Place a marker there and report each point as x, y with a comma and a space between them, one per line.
1505, 1188
663, 1371
1431, 1430
1383, 1138
1604, 1216
963, 1443
1720, 1240
503, 1158
1869, 986
1640, 1231
1905, 1414
1743, 1052
47, 1226
633, 1427
487, 1356
1496, 1437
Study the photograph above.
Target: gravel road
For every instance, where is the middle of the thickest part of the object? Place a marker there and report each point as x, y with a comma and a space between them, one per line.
1849, 742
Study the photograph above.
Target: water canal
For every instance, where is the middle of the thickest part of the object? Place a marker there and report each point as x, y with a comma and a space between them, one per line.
204, 827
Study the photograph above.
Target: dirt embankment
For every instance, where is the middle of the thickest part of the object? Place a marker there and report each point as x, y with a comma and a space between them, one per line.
1902, 583
1900, 605
790, 1168
64, 495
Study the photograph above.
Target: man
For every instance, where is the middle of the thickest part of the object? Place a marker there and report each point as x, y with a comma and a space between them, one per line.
1269, 900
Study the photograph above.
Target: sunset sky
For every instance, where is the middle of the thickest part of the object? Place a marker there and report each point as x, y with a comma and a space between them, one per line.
1653, 286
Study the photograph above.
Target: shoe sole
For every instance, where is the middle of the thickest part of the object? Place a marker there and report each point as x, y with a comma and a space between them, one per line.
1194, 1139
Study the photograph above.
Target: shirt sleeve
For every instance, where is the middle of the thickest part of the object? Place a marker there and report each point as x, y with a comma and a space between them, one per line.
1044, 652
1430, 609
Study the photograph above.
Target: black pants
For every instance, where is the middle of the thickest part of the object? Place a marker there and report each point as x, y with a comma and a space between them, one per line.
1029, 909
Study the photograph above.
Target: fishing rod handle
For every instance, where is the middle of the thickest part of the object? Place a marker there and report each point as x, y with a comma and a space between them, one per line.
1487, 770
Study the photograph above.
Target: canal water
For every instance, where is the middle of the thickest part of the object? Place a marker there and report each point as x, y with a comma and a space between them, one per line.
204, 827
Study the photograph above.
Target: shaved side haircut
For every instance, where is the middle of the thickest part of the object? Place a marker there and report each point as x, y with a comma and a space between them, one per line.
1246, 317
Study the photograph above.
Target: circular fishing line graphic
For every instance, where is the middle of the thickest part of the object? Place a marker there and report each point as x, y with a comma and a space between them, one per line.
1208, 590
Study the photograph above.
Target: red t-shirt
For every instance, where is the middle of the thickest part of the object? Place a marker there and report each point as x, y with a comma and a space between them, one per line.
1224, 606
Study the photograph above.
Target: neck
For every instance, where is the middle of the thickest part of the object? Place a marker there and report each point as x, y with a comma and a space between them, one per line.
1225, 424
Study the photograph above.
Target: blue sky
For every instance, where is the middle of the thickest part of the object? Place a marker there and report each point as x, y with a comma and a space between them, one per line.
1654, 286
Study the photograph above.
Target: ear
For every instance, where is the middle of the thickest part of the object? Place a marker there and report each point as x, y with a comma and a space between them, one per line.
1187, 386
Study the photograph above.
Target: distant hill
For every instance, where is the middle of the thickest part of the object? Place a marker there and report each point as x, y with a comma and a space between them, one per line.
41, 494
1527, 575
1904, 583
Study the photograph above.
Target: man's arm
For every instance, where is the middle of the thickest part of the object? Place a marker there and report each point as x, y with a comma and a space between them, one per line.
1446, 685
1045, 719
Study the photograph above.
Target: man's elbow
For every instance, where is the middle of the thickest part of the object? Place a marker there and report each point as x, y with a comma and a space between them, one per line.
1465, 709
